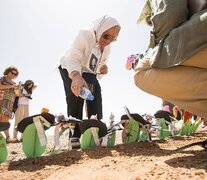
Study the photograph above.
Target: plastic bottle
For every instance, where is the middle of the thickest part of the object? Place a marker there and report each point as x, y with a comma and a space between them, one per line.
86, 94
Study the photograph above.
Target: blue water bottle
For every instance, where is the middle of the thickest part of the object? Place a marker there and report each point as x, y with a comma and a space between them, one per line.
86, 94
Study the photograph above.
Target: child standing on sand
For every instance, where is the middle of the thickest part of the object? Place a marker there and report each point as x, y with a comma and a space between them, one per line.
23, 105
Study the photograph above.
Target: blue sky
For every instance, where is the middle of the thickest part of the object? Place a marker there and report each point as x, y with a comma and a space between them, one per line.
34, 34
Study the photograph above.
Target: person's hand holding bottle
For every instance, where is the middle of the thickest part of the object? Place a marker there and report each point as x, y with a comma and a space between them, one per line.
77, 83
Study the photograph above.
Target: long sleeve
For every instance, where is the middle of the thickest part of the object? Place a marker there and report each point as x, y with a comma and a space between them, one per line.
74, 55
77, 57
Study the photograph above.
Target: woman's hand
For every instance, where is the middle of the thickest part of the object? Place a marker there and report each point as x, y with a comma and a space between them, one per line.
14, 87
103, 69
77, 83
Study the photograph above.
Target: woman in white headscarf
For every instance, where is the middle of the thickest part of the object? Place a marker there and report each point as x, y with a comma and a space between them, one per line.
83, 62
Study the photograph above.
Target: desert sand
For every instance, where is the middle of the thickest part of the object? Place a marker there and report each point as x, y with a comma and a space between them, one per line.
141, 160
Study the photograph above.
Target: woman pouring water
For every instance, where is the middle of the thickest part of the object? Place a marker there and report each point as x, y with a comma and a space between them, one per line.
83, 63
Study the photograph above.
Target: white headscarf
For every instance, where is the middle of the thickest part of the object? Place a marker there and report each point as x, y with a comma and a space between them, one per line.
102, 24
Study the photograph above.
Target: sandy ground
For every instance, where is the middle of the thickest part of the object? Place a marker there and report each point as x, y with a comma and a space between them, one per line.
141, 160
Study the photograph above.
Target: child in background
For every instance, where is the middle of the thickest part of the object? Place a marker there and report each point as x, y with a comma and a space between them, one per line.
23, 105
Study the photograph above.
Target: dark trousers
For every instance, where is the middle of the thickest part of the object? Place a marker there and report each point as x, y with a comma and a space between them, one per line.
75, 104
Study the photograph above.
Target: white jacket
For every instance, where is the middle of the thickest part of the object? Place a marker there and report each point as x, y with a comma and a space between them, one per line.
77, 57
